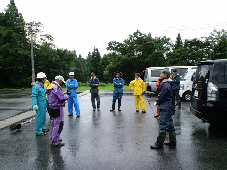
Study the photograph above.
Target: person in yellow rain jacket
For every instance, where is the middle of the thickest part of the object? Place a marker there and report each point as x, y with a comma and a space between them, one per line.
138, 86
46, 84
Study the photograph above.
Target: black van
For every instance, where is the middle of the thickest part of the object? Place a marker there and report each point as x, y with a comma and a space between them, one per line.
209, 91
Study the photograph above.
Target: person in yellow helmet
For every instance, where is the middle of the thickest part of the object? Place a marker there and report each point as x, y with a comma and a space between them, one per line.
138, 86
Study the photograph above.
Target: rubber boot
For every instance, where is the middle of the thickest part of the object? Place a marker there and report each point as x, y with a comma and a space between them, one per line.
172, 139
119, 104
113, 105
159, 142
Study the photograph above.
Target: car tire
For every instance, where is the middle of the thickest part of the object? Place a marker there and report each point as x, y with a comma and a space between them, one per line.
187, 96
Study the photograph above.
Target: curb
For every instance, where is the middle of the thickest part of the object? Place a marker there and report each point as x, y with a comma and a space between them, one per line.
26, 115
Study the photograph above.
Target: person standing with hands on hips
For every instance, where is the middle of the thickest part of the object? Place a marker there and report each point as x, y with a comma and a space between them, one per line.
118, 84
164, 102
176, 87
138, 86
72, 85
94, 84
39, 104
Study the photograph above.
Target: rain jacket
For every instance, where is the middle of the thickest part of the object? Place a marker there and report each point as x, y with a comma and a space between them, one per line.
165, 95
176, 82
92, 84
138, 86
56, 97
39, 95
118, 83
46, 84
73, 85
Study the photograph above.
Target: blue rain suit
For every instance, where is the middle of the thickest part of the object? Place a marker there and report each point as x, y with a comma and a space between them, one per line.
39, 99
118, 84
73, 85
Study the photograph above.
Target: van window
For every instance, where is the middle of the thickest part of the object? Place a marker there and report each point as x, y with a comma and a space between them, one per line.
203, 73
180, 71
187, 75
155, 73
219, 75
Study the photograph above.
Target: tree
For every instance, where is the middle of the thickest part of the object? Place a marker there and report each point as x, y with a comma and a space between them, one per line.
179, 43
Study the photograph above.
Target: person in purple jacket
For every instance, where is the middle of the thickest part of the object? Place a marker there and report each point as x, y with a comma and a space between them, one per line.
56, 100
165, 106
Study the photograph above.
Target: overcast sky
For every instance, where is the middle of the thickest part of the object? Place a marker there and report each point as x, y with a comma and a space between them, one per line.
82, 24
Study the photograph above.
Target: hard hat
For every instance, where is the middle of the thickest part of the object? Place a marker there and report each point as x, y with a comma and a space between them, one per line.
60, 78
41, 75
71, 73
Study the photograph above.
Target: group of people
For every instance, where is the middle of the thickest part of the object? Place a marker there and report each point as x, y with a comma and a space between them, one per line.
50, 95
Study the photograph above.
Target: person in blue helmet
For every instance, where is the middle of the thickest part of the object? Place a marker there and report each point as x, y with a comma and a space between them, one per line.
39, 104
72, 85
118, 84
94, 84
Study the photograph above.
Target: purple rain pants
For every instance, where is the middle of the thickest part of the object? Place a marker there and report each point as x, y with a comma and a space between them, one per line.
56, 128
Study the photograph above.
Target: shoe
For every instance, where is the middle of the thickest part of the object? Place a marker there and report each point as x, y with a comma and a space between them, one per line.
112, 110
137, 110
144, 111
60, 139
41, 134
78, 115
45, 130
60, 144
156, 116
156, 147
179, 106
171, 144
70, 115
94, 109
119, 109
98, 108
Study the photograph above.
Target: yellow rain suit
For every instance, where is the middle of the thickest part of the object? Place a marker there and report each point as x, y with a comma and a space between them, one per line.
139, 87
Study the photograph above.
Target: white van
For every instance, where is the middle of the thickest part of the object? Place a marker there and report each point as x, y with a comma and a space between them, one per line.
152, 74
150, 78
186, 85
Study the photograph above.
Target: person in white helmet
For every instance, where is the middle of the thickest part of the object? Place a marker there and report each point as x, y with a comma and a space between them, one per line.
72, 85
39, 104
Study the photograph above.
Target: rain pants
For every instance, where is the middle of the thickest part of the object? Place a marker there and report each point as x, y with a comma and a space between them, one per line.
118, 84
73, 85
139, 87
56, 100
39, 99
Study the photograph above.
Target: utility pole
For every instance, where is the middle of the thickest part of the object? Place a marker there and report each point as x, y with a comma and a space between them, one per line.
32, 55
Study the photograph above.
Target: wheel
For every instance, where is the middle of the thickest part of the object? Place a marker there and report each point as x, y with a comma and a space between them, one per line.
187, 96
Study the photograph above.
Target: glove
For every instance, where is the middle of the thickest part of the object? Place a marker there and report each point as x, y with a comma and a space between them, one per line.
144, 92
35, 107
155, 103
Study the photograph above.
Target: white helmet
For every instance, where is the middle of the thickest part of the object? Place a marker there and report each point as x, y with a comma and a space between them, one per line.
60, 78
41, 75
71, 73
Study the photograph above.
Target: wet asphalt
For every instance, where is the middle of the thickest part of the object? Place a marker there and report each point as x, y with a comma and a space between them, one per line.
120, 140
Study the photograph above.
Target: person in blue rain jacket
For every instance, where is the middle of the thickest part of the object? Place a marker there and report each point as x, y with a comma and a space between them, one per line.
39, 104
72, 85
118, 84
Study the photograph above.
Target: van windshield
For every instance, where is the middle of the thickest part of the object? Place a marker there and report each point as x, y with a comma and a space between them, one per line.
145, 75
187, 75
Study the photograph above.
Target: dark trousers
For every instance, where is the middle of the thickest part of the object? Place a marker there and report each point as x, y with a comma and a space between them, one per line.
176, 96
93, 97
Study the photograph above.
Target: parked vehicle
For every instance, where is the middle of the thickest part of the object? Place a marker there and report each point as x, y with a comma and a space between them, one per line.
209, 92
186, 85
152, 74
